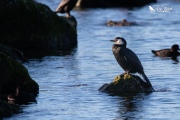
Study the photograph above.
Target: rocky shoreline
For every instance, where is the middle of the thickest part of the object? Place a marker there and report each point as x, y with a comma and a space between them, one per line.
27, 25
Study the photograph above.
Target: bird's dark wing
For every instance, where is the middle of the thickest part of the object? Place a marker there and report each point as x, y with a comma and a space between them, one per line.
62, 5
132, 59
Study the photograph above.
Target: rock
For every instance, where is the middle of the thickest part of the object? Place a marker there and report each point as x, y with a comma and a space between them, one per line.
124, 22
6, 109
126, 83
28, 25
112, 3
20, 97
13, 53
14, 75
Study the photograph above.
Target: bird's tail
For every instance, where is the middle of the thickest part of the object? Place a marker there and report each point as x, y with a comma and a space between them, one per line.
147, 80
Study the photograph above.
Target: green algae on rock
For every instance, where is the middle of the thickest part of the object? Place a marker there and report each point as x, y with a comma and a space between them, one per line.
13, 75
126, 83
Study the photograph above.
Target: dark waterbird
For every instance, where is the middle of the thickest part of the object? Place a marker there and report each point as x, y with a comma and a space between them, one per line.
127, 59
173, 52
66, 6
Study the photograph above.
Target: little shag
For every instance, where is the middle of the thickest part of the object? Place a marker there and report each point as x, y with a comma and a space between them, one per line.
127, 59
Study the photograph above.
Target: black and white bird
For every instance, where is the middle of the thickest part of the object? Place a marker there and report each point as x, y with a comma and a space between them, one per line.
127, 59
66, 6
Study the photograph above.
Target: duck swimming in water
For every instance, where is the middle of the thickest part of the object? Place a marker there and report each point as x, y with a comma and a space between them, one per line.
66, 6
173, 52
127, 59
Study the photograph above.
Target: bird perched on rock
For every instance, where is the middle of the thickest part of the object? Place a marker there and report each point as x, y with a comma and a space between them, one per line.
127, 59
66, 6
173, 52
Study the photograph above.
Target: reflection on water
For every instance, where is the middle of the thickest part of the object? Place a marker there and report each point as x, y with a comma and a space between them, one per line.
69, 82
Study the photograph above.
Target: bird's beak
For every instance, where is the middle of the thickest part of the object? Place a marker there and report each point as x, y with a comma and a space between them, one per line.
112, 41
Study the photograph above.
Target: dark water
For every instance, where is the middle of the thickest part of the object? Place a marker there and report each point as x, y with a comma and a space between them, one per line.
69, 84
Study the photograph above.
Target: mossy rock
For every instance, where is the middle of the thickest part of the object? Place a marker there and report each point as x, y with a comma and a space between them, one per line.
6, 109
13, 75
28, 25
126, 83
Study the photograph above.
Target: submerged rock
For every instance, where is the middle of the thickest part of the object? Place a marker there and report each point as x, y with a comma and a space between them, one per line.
126, 83
112, 3
124, 22
28, 25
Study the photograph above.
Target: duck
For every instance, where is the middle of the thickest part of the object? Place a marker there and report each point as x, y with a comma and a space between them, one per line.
172, 52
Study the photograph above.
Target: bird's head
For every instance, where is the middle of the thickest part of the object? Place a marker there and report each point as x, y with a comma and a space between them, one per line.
119, 41
175, 47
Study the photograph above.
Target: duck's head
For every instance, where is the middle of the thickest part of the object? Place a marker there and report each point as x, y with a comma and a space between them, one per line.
175, 48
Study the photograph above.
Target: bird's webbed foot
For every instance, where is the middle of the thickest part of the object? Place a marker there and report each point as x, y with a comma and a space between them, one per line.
126, 72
